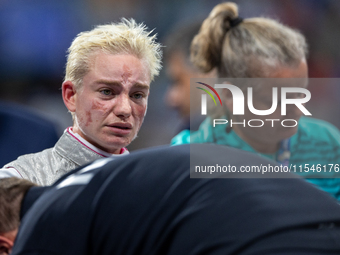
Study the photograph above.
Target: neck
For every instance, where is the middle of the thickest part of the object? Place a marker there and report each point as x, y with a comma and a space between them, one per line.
267, 148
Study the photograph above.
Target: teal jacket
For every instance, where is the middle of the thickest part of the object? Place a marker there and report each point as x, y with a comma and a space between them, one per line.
317, 143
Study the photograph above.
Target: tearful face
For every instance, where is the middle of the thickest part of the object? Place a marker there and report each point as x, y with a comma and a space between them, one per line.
112, 102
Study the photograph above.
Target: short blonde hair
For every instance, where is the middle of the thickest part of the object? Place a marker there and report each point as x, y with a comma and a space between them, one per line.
116, 38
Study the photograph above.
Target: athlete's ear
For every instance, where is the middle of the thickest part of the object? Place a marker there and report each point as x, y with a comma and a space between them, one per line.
6, 245
69, 93
227, 99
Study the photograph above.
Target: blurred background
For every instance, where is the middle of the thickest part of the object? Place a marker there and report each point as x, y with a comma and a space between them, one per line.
35, 35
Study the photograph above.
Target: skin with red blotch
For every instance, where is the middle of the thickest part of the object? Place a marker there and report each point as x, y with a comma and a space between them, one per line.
89, 120
127, 73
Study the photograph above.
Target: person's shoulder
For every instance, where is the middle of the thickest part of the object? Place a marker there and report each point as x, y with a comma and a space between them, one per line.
182, 138
29, 164
315, 123
202, 135
29, 160
319, 130
316, 141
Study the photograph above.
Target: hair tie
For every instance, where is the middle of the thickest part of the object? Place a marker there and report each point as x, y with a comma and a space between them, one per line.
235, 22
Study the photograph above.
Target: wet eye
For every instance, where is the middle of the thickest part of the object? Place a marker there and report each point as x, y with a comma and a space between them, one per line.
106, 92
138, 96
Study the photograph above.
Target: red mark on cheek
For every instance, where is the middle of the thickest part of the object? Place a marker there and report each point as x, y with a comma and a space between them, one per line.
88, 118
100, 107
140, 115
97, 106
127, 73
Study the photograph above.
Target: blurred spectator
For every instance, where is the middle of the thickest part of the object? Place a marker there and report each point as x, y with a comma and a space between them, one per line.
180, 70
263, 48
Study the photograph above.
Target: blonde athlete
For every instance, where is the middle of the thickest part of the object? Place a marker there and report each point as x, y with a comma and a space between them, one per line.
108, 74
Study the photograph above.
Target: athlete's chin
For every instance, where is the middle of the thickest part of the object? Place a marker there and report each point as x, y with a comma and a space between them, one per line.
118, 142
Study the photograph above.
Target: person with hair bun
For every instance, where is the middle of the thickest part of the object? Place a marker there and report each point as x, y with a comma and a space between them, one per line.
252, 49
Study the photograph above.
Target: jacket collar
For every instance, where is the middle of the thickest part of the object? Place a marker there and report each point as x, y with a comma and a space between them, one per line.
73, 149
